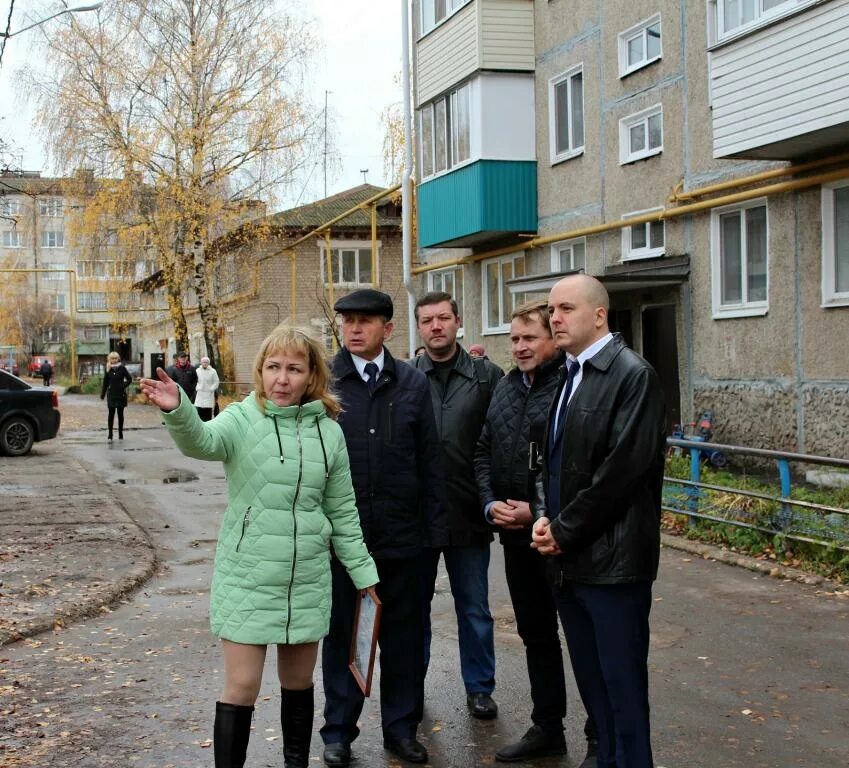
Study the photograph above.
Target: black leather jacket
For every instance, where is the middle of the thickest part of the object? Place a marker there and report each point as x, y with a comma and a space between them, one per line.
459, 416
611, 474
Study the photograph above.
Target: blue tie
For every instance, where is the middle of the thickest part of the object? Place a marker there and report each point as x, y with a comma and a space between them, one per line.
572, 368
373, 372
555, 442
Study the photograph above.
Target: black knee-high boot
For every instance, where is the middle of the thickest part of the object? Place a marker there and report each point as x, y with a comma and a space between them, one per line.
296, 716
231, 733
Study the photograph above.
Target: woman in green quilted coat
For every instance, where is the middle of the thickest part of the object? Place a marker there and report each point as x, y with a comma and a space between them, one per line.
289, 498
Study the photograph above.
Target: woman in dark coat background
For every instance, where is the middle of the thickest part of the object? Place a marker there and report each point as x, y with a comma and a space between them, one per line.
115, 382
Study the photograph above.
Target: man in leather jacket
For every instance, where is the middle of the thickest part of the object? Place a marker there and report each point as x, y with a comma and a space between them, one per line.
460, 389
505, 465
602, 480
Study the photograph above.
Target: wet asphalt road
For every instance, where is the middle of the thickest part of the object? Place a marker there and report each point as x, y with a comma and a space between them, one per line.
746, 671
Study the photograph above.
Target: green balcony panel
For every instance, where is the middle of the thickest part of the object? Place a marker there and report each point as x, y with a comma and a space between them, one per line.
477, 203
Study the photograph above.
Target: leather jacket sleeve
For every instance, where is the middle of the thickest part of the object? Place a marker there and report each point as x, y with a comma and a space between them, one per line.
634, 444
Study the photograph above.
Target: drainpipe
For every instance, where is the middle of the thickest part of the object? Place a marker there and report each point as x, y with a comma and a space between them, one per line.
406, 186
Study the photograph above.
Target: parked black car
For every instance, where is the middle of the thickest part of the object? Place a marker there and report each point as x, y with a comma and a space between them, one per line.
27, 414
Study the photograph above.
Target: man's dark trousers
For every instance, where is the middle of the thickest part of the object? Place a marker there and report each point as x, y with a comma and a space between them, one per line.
607, 632
536, 622
401, 654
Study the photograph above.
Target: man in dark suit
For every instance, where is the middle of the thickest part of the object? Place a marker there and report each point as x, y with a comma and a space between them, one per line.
390, 431
602, 481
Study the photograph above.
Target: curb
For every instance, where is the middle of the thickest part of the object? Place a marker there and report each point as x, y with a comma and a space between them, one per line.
69, 612
712, 552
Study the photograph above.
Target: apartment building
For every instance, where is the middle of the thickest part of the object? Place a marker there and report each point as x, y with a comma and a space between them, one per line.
40, 230
689, 153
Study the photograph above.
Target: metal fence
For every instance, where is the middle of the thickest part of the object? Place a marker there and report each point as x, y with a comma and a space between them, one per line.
771, 514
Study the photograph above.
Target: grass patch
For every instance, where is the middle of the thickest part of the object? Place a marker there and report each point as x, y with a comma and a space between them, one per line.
823, 559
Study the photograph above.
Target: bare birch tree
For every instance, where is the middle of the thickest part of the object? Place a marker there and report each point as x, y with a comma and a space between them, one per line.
197, 107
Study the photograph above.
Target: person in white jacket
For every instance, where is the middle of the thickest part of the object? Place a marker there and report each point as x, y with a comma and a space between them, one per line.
207, 384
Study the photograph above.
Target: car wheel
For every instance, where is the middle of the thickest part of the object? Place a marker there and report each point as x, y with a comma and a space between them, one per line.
16, 437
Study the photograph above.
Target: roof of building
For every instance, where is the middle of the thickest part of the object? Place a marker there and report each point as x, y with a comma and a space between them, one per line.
30, 183
321, 211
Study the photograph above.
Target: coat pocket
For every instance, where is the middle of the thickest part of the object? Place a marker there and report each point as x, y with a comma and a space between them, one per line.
246, 522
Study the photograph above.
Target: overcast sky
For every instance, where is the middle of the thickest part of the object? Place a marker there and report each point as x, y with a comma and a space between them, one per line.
360, 57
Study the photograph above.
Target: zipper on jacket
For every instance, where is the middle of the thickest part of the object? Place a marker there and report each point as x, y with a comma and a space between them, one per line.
246, 521
295, 523
389, 423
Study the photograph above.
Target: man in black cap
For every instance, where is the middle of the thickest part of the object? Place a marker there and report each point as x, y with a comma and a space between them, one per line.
390, 431
184, 373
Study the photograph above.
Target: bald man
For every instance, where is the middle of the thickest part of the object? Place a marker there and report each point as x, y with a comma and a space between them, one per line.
601, 481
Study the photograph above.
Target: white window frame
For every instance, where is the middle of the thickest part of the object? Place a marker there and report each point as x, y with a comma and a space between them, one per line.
56, 236
451, 137
54, 277
57, 302
54, 334
640, 29
626, 154
745, 308
428, 13
629, 252
14, 238
503, 312
50, 206
10, 206
574, 150
96, 332
564, 245
361, 246
436, 282
93, 300
831, 297
761, 17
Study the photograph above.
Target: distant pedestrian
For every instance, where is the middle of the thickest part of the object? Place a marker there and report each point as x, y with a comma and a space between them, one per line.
419, 351
45, 370
115, 382
206, 389
184, 373
290, 498
477, 350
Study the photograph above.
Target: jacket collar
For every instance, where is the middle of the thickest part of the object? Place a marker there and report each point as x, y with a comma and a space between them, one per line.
343, 365
603, 359
312, 408
464, 365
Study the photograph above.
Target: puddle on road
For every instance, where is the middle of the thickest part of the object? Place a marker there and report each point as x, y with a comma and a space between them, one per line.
167, 476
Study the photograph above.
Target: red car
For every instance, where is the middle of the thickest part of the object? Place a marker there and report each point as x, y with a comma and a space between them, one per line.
35, 364
4, 366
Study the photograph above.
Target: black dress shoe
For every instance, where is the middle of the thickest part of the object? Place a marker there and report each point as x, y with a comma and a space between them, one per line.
591, 760
337, 753
481, 706
407, 749
535, 743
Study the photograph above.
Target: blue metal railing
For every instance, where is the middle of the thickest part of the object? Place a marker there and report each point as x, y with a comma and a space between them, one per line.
770, 514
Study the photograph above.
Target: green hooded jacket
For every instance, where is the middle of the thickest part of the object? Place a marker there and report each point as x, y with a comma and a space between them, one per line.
289, 497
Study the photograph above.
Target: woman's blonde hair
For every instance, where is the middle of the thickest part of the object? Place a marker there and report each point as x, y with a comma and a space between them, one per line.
286, 339
113, 357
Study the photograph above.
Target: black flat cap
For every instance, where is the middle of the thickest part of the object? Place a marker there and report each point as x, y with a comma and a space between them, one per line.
367, 301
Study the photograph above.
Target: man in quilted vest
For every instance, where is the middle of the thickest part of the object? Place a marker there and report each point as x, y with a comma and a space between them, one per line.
505, 463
